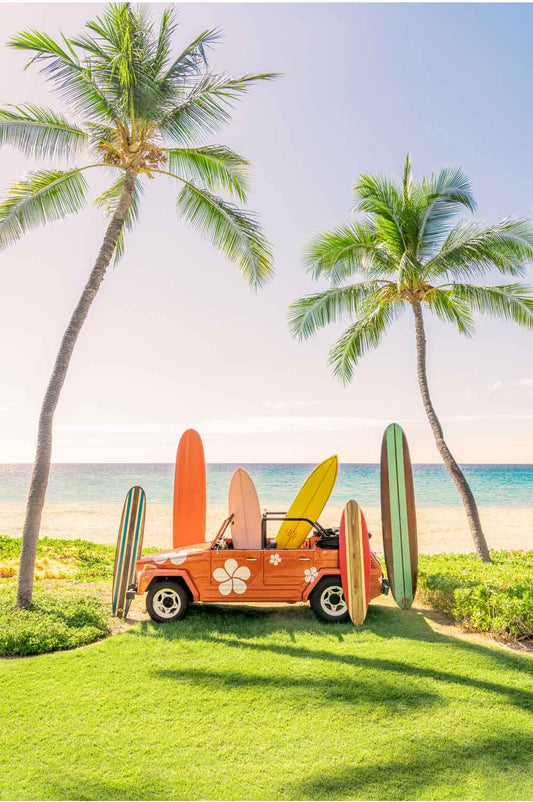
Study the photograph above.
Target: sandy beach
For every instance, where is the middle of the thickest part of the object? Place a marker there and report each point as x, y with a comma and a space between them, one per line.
440, 528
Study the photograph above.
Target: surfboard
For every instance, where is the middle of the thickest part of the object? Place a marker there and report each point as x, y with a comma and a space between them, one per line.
244, 504
309, 503
128, 551
189, 514
398, 516
354, 558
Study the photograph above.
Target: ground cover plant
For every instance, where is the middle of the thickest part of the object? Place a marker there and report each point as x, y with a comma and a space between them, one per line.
61, 559
77, 559
253, 704
495, 598
57, 619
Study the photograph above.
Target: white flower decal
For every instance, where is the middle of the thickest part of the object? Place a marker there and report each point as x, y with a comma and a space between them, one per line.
310, 574
275, 559
175, 557
231, 577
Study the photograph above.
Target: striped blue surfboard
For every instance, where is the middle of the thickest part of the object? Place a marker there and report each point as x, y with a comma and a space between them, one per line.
128, 551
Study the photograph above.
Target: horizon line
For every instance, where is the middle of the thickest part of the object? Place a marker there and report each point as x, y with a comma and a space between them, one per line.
438, 463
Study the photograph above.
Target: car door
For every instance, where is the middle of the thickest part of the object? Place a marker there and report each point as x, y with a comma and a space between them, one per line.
288, 567
236, 575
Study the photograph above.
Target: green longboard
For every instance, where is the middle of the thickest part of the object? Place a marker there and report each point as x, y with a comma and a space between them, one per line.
128, 551
398, 516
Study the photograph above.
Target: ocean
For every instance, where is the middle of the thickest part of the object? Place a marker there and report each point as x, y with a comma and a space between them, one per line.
277, 484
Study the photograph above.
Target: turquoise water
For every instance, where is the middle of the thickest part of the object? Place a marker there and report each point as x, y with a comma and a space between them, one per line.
493, 485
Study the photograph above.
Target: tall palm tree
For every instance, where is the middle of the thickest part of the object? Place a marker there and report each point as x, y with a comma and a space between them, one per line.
137, 112
412, 254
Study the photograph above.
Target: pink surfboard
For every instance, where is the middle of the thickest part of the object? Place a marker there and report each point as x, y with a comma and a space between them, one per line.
189, 492
244, 504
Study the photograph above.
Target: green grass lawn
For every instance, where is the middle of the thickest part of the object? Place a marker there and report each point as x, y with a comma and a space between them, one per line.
258, 704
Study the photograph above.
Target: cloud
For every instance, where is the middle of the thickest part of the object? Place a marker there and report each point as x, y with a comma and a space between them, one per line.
292, 424
261, 424
297, 404
524, 385
149, 428
269, 425
487, 417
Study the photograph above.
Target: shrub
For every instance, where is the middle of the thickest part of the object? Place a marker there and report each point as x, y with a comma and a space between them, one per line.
56, 620
492, 597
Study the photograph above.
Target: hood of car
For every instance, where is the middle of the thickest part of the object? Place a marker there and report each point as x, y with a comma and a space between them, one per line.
173, 556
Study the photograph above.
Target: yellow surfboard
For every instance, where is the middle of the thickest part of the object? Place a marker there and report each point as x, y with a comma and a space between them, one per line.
309, 503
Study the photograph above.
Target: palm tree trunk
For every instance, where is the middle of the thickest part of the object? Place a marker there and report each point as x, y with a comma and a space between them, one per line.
41, 468
456, 473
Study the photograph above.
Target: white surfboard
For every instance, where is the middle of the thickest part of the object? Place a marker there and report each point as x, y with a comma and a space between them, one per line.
244, 504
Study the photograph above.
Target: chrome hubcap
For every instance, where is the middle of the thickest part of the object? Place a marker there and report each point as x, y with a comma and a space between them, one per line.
166, 603
332, 600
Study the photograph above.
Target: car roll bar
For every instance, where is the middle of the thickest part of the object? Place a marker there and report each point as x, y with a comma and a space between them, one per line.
282, 516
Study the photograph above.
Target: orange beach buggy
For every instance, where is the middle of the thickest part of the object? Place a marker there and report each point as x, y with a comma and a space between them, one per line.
216, 572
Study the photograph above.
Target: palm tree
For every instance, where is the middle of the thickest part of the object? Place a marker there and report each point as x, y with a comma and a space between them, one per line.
137, 113
412, 253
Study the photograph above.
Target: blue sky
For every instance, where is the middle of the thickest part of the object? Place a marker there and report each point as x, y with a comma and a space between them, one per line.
176, 339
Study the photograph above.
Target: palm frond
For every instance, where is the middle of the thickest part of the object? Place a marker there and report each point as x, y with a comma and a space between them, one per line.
167, 27
74, 81
512, 302
347, 249
108, 201
472, 249
37, 131
407, 181
194, 57
449, 307
380, 198
206, 106
102, 137
125, 54
39, 198
307, 315
101, 132
120, 40
235, 232
217, 167
362, 336
441, 197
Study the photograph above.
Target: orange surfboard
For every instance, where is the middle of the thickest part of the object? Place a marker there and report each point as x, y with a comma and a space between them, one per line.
189, 492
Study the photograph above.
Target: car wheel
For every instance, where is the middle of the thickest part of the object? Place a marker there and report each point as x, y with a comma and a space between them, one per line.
327, 600
167, 601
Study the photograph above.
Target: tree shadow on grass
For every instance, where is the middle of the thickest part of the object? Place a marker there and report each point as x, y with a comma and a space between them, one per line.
426, 769
361, 691
243, 628
210, 621
437, 768
76, 784
254, 621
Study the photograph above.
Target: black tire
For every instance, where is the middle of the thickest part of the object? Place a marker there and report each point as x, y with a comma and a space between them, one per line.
327, 601
167, 601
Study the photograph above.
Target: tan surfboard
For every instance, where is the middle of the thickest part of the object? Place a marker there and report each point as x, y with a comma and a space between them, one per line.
243, 503
354, 558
